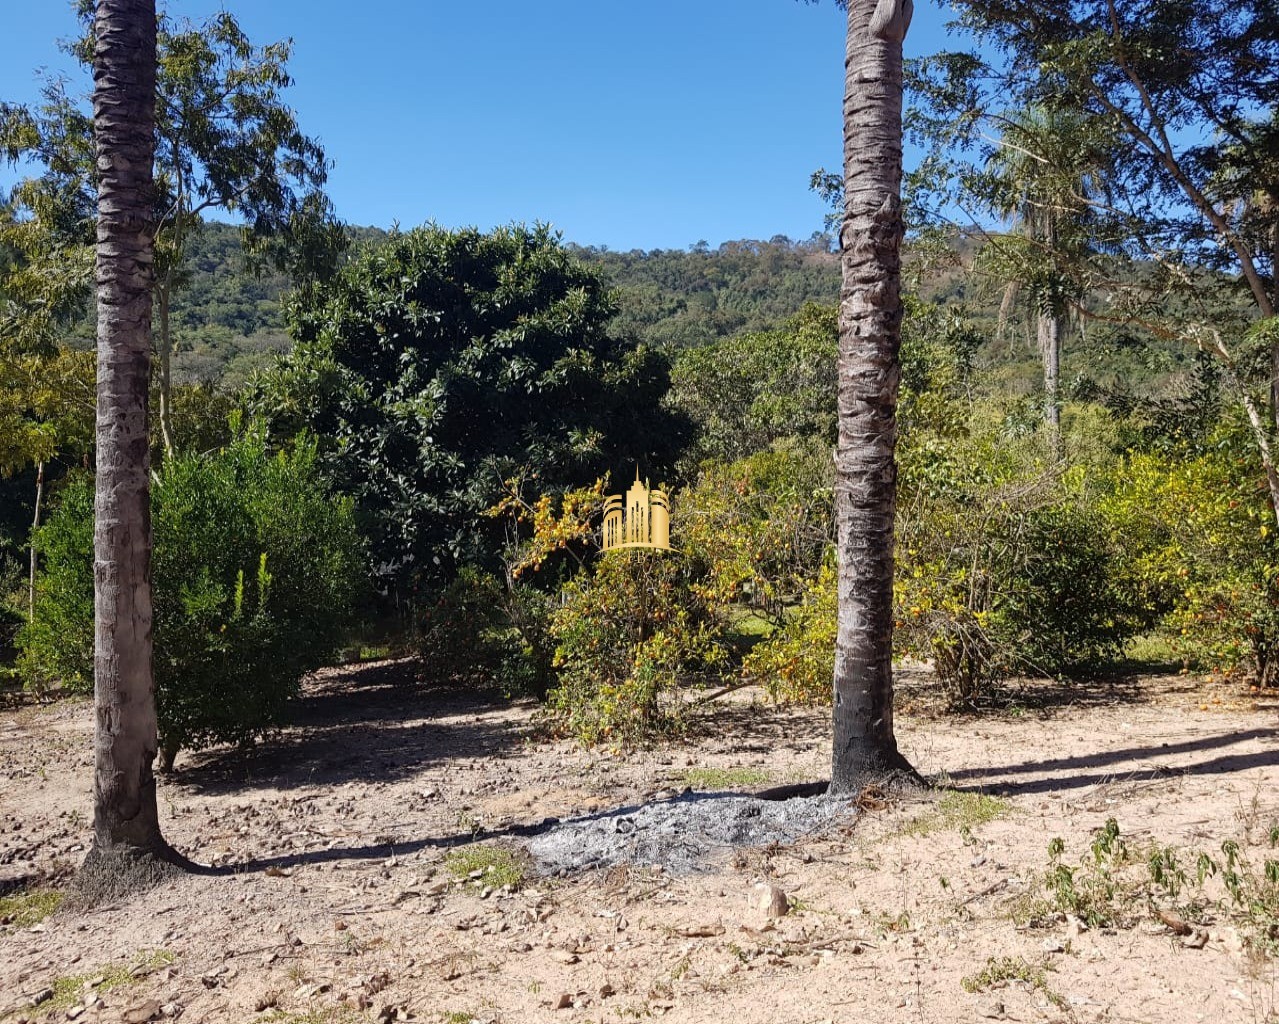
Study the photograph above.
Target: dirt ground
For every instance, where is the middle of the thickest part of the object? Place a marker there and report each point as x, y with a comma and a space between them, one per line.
337, 901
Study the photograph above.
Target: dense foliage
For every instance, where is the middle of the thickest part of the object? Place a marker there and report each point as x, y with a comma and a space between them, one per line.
1087, 409
1204, 547
256, 575
675, 298
440, 364
751, 390
1011, 559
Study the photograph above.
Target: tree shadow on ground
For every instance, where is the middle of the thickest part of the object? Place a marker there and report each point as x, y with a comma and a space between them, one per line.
1129, 764
367, 723
1037, 696
754, 728
919, 692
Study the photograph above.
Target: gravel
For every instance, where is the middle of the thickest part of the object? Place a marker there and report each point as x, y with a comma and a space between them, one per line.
684, 835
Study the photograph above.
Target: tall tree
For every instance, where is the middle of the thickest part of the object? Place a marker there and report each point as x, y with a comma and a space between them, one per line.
870, 321
1039, 179
1182, 87
1245, 186
46, 411
46, 278
126, 823
440, 364
225, 140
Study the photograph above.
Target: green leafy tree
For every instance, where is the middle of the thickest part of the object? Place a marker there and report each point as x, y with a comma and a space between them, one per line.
677, 299
1181, 88
1040, 178
1245, 185
226, 141
46, 411
746, 392
443, 363
46, 279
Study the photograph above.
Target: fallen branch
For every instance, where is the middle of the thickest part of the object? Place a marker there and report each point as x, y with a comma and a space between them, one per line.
993, 887
741, 684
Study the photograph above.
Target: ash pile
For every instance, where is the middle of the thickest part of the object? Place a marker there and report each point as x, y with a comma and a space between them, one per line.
693, 832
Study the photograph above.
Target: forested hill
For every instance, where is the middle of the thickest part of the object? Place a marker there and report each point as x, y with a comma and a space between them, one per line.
677, 298
229, 320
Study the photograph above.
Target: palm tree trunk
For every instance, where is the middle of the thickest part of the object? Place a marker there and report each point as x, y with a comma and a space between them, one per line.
127, 836
870, 318
1050, 350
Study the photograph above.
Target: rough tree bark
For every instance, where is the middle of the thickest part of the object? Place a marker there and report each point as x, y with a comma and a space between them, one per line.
1274, 301
870, 318
127, 845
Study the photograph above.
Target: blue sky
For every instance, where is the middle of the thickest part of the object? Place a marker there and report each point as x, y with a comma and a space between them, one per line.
632, 125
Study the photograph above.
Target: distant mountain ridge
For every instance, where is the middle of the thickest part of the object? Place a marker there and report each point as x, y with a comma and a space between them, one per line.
229, 320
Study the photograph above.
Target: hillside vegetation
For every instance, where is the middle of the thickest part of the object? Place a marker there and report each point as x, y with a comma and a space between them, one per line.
229, 318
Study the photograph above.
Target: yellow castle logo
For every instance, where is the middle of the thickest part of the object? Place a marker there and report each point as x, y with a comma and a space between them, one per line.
641, 519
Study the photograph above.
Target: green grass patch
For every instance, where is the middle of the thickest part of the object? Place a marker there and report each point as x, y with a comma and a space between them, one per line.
750, 624
29, 906
724, 778
1153, 652
746, 628
962, 812
70, 989
498, 865
320, 1015
1000, 971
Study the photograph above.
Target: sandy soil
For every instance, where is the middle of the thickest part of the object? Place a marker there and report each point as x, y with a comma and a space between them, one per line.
336, 903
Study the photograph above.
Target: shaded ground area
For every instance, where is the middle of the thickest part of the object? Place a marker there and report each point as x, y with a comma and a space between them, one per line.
367, 724
343, 899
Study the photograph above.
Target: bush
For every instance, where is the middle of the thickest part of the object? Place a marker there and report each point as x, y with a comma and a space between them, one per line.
797, 662
760, 526
628, 637
1205, 552
1001, 567
57, 645
1005, 566
628, 629
484, 632
11, 591
255, 570
11, 618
